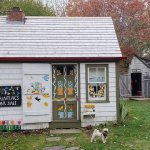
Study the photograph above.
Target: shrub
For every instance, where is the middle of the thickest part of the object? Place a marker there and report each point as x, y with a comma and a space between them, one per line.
123, 112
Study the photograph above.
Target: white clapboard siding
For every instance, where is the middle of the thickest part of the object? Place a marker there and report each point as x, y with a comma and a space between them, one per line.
137, 64
35, 126
59, 37
94, 121
33, 73
103, 111
11, 75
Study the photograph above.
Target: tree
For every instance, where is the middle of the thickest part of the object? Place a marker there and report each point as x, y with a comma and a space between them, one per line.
30, 7
131, 19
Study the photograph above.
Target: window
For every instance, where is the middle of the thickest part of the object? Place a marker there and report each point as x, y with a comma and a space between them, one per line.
97, 80
64, 82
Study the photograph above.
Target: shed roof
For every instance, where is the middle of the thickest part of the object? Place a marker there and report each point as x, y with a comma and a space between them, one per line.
144, 60
59, 37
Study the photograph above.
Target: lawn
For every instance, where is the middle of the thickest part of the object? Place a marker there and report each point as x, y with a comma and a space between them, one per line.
133, 134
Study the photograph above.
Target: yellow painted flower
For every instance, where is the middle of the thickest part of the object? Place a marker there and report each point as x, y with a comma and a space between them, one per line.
35, 92
29, 104
61, 108
46, 95
46, 104
29, 97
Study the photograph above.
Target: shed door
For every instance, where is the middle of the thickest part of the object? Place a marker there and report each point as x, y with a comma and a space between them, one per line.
125, 86
147, 86
136, 84
36, 93
65, 95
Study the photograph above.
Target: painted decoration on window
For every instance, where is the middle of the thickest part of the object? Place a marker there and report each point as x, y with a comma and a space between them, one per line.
64, 82
97, 91
65, 89
70, 88
60, 88
60, 111
67, 113
10, 96
37, 92
70, 111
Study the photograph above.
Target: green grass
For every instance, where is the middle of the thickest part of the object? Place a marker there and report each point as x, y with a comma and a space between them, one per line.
133, 134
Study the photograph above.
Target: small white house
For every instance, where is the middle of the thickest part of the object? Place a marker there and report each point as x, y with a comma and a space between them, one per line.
57, 72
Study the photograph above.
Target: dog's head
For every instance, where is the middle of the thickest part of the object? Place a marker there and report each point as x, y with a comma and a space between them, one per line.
105, 132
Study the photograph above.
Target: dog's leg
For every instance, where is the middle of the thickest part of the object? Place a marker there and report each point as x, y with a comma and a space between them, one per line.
93, 137
103, 139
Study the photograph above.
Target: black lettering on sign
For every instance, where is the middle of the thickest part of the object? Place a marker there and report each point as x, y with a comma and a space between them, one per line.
10, 96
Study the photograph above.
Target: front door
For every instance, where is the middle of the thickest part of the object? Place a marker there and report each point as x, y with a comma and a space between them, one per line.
65, 94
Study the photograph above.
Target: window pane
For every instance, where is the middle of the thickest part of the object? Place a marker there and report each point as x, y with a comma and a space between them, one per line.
97, 92
70, 69
96, 75
70, 111
60, 112
59, 70
92, 75
100, 74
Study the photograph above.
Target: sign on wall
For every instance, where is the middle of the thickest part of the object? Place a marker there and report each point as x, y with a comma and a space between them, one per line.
10, 96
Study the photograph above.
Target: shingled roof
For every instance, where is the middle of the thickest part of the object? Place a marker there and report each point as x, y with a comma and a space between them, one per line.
59, 37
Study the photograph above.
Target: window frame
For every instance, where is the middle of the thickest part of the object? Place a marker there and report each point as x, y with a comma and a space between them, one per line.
106, 82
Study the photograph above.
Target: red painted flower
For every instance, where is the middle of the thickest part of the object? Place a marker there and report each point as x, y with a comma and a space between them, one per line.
3, 122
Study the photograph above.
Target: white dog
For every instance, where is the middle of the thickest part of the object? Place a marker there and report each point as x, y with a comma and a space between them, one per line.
103, 135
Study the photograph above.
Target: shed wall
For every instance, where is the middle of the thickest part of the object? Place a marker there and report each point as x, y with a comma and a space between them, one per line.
137, 64
104, 111
11, 75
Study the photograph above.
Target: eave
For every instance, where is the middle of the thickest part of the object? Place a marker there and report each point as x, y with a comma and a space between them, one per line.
59, 59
